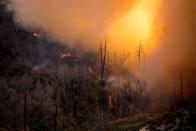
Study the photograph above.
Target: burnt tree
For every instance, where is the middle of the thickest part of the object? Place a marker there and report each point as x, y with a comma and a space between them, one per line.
25, 107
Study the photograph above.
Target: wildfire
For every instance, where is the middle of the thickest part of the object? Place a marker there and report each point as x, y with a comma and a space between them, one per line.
137, 24
65, 54
36, 35
91, 71
110, 101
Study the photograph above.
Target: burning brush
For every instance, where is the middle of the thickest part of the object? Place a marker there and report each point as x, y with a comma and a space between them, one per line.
68, 55
36, 35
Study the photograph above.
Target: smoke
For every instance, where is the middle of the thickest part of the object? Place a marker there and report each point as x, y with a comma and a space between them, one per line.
175, 46
69, 21
87, 21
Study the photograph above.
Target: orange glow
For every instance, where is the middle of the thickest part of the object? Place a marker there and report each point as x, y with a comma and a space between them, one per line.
65, 54
36, 35
68, 54
110, 101
138, 24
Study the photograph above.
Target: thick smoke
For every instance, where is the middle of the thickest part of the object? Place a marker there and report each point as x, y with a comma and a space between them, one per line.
175, 47
86, 21
69, 21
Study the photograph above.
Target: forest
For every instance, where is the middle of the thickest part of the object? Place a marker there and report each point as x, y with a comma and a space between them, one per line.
48, 86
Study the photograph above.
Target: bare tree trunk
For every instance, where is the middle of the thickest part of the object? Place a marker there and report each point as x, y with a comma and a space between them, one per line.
103, 51
101, 86
56, 112
75, 98
174, 95
139, 53
56, 109
118, 100
25, 107
101, 59
181, 87
104, 58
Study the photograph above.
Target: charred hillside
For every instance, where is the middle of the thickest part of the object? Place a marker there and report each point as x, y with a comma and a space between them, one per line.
48, 85
21, 47
33, 48
39, 81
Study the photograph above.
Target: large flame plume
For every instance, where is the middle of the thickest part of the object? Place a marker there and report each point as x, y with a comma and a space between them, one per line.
166, 28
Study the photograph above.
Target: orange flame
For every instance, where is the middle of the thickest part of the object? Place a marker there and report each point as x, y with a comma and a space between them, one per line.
110, 101
68, 55
65, 54
36, 35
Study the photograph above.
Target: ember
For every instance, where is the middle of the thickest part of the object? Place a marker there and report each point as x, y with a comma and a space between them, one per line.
36, 35
65, 54
110, 101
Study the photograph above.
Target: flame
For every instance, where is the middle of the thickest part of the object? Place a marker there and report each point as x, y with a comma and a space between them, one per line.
110, 101
65, 54
36, 35
137, 24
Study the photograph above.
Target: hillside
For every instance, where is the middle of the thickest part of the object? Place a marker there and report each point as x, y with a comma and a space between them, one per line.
48, 85
33, 62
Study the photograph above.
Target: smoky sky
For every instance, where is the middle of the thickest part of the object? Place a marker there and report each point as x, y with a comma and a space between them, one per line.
85, 21
175, 49
69, 21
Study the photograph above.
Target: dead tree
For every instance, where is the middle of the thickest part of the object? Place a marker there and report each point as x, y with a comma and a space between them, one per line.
139, 53
119, 62
101, 100
118, 99
25, 107
75, 87
181, 88
56, 112
103, 51
26, 80
56, 108
102, 93
174, 94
